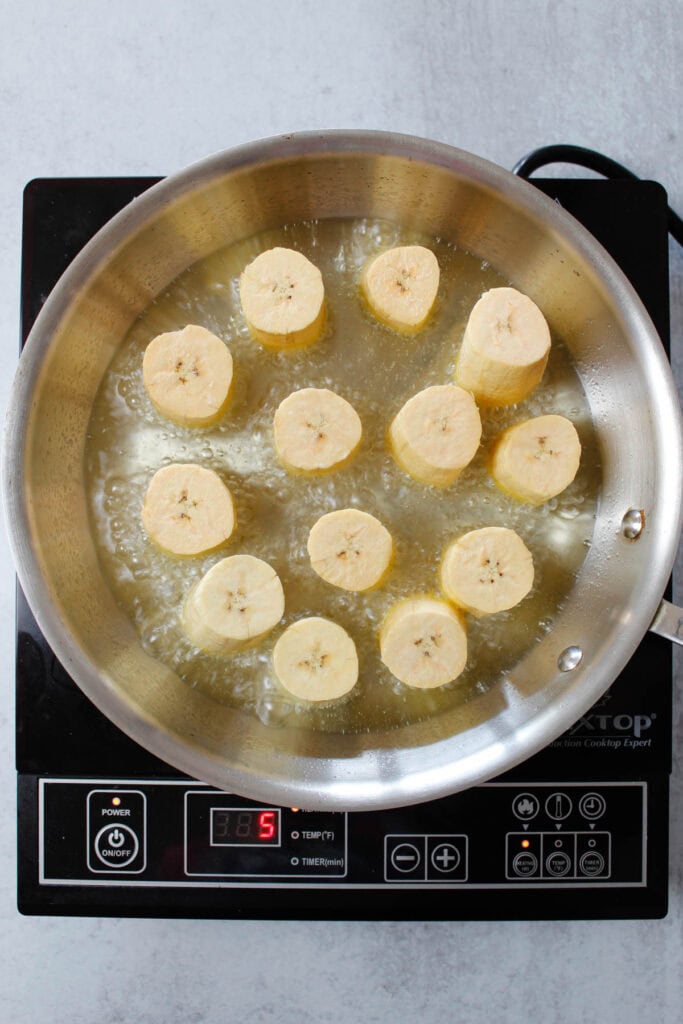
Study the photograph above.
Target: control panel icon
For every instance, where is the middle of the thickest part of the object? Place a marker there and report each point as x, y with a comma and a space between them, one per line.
445, 858
525, 806
558, 806
558, 863
525, 864
592, 863
116, 846
592, 806
405, 858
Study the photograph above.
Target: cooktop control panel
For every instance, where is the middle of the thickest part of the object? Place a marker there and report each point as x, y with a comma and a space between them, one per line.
500, 835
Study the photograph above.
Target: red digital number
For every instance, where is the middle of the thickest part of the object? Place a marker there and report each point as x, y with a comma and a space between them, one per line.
266, 825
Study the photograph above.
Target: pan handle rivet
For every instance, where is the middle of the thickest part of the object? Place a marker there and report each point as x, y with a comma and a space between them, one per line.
632, 524
569, 659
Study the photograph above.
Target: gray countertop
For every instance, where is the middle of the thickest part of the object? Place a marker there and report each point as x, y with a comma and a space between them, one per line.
135, 89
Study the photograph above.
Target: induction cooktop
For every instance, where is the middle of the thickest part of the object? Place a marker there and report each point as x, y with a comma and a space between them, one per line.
578, 831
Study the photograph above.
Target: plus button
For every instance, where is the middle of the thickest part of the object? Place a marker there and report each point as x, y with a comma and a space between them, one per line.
445, 857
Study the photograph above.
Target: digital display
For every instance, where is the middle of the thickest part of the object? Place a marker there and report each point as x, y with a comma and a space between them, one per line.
239, 826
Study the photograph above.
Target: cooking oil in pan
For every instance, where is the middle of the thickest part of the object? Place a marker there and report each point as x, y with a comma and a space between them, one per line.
376, 370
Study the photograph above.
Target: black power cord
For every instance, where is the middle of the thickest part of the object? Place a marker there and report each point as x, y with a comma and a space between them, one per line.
594, 161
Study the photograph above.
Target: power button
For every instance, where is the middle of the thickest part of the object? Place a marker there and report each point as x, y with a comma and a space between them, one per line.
116, 846
117, 831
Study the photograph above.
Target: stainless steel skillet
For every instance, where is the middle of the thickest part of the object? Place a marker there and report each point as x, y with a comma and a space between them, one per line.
440, 191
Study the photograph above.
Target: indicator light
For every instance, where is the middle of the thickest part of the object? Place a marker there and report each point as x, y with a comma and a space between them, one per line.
116, 801
525, 844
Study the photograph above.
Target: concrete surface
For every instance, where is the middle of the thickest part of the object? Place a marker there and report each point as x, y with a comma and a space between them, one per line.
145, 88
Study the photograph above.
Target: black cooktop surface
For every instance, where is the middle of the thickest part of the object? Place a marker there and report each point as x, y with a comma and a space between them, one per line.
579, 830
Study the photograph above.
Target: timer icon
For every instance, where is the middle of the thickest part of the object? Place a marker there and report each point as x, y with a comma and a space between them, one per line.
592, 806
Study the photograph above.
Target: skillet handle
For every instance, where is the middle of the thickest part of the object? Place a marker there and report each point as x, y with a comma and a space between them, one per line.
668, 622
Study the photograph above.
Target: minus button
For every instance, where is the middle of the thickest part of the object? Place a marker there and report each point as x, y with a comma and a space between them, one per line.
405, 857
